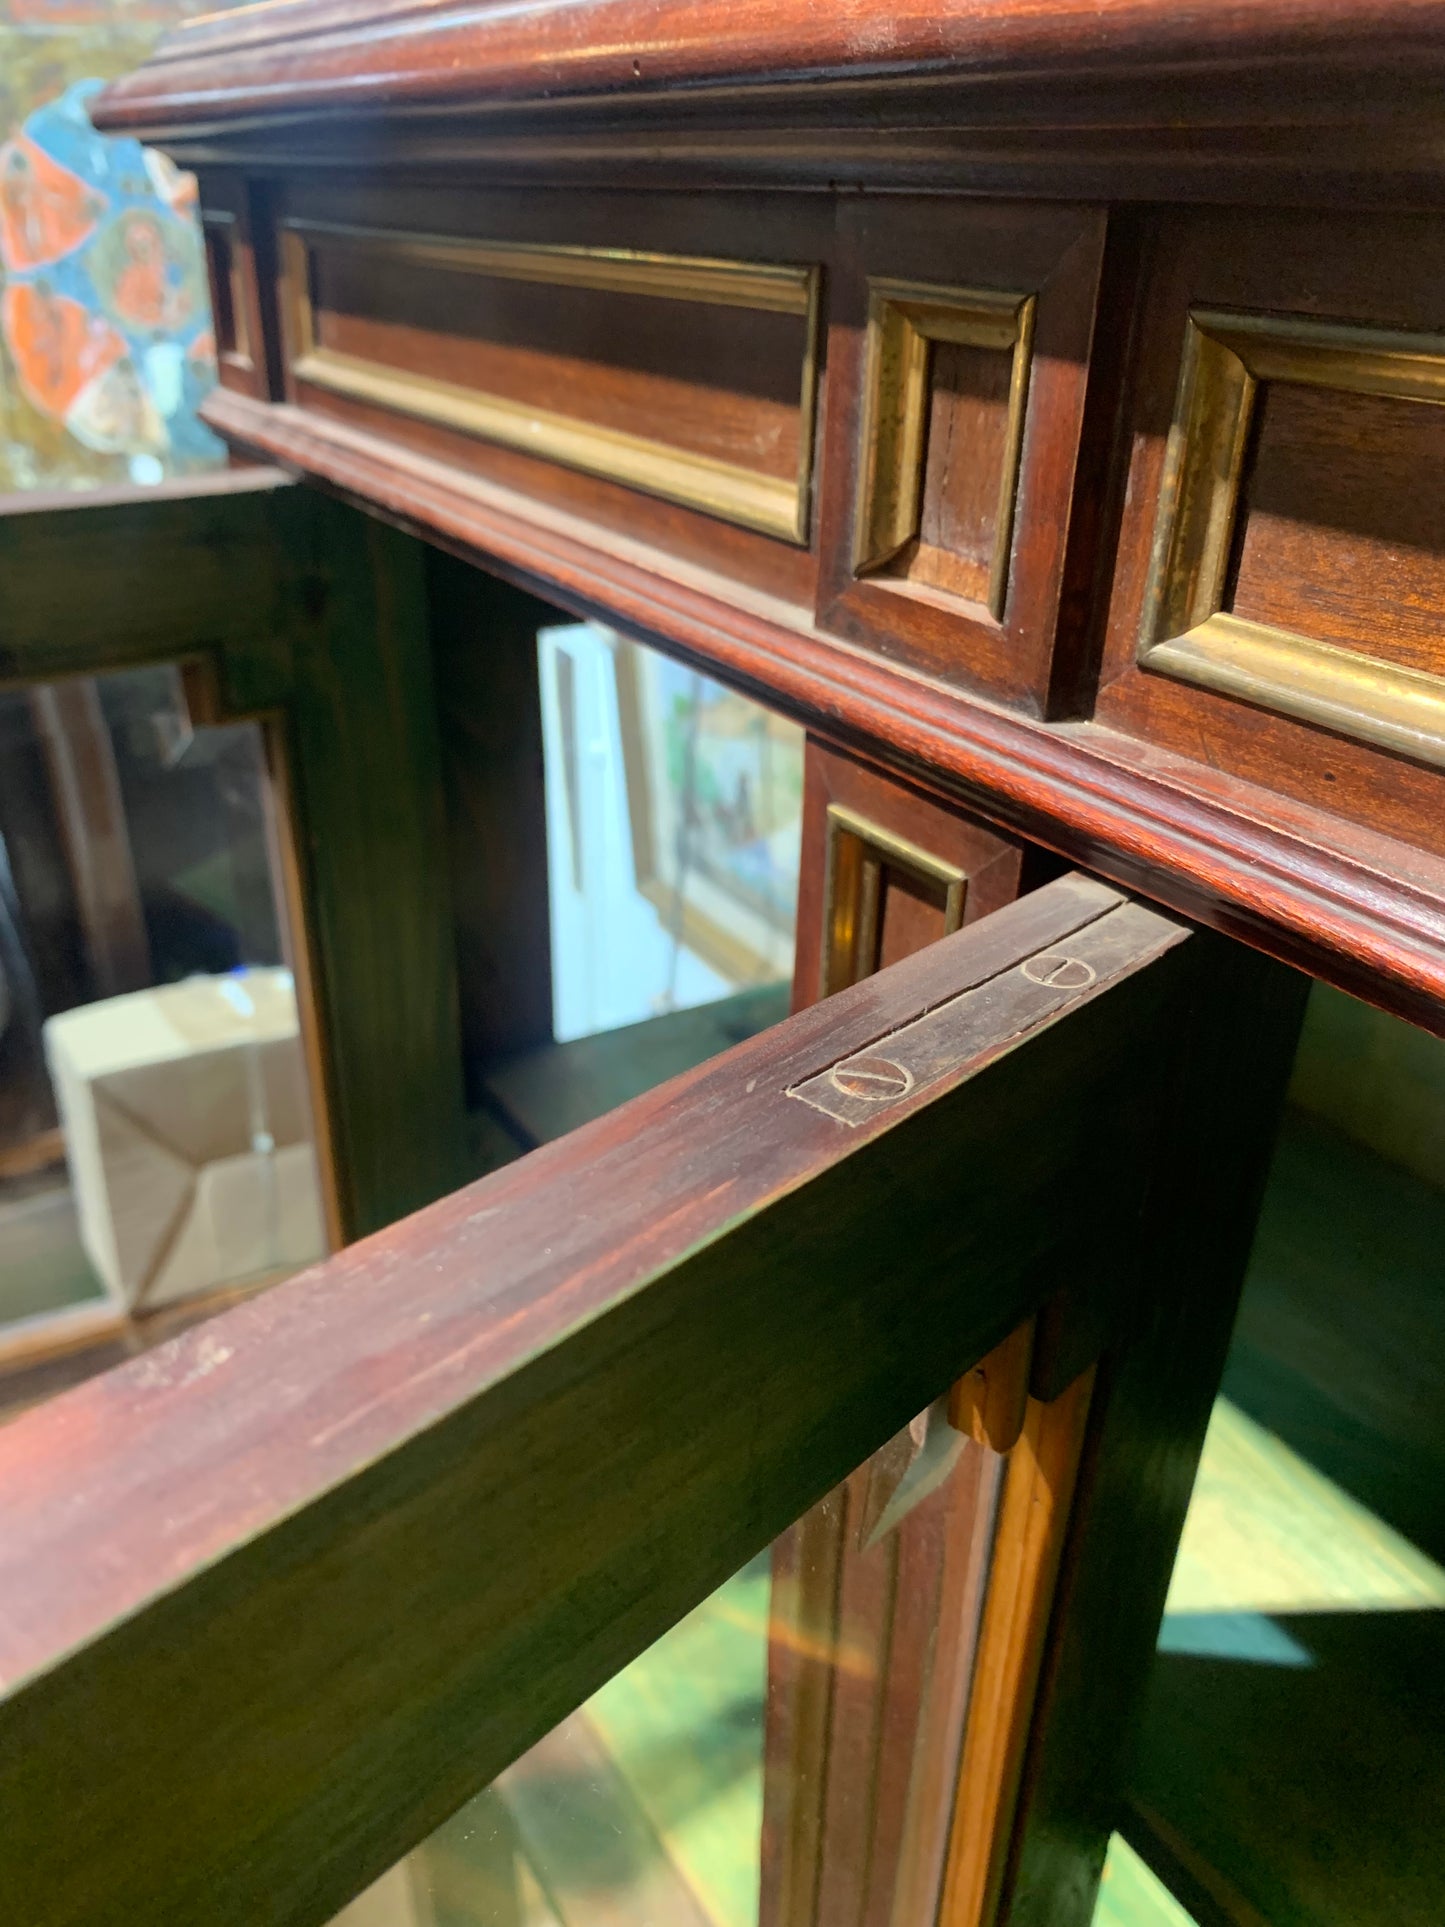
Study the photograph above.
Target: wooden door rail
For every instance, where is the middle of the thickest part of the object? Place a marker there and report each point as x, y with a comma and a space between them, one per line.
277, 1598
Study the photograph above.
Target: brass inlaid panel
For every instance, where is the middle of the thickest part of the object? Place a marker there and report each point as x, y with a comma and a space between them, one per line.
907, 322
775, 504
860, 856
1187, 629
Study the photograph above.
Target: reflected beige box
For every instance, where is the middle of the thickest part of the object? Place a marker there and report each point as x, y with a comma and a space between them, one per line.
188, 1134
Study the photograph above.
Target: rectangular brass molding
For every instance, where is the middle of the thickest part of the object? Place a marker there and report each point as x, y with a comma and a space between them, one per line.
1185, 631
905, 319
859, 852
777, 506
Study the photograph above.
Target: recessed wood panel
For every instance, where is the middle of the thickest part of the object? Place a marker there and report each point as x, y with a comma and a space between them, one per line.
945, 382
887, 869
687, 377
231, 270
1341, 528
1228, 449
958, 350
970, 470
1281, 563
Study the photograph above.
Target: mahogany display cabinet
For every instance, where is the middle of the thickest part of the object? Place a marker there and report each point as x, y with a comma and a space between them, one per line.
1039, 407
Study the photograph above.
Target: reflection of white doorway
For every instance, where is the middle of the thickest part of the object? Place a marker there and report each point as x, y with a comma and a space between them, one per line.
613, 961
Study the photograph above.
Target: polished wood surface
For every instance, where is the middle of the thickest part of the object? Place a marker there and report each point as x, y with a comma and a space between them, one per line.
1112, 533
1033, 1525
1366, 912
1335, 538
1032, 274
952, 579
1149, 1412
282, 1573
1084, 79
859, 1759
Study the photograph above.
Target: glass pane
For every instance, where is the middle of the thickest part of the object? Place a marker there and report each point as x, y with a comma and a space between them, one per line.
1130, 1895
1292, 1764
674, 818
156, 1136
683, 1791
673, 824
661, 1802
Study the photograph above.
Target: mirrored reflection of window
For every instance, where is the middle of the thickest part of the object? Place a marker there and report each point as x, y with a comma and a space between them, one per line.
156, 1135
1290, 1763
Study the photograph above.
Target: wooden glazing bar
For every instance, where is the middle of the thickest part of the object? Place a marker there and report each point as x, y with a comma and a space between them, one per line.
116, 577
315, 1572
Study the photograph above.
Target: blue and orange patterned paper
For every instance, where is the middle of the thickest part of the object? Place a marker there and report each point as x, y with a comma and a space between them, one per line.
103, 305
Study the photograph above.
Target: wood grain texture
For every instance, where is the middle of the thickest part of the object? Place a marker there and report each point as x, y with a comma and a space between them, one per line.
1342, 523
990, 865
1056, 64
1337, 539
484, 663
860, 1757
361, 738
1151, 1403
1234, 850
318, 1570
788, 232
1033, 1523
1049, 254
160, 579
237, 255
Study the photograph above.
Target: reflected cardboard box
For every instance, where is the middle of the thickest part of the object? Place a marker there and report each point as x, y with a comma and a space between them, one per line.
188, 1134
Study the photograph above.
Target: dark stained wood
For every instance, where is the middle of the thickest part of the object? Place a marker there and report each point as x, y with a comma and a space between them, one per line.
484, 655
1053, 254
1231, 848
661, 387
966, 446
361, 760
288, 1574
1131, 91
1044, 147
238, 258
871, 1644
547, 1091
314, 618
991, 864
717, 381
165, 563
1340, 531
1342, 527
1150, 1406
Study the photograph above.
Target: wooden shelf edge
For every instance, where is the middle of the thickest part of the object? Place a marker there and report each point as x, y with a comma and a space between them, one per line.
1362, 927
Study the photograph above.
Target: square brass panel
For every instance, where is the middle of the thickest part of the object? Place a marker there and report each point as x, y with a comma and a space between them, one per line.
860, 853
905, 320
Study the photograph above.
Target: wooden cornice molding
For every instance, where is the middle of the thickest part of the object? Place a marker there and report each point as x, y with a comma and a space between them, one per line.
1094, 76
